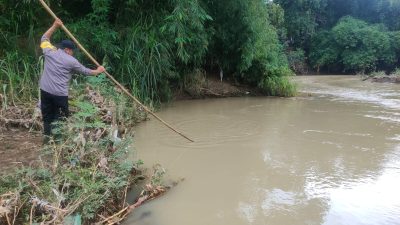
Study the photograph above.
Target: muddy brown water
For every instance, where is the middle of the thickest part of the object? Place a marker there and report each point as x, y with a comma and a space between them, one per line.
330, 156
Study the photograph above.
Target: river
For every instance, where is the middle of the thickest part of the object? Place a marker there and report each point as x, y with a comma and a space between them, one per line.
329, 156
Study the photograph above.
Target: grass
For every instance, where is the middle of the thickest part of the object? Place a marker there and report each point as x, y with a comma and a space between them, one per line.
19, 78
145, 63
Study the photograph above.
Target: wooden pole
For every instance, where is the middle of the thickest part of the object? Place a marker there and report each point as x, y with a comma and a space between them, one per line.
109, 75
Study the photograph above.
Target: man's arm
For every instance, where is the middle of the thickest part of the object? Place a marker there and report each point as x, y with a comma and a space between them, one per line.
57, 23
97, 71
45, 41
78, 67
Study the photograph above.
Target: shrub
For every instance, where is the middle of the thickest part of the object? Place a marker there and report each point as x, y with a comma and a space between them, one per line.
277, 82
352, 46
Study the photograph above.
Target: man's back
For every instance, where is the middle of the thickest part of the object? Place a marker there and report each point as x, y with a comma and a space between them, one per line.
58, 66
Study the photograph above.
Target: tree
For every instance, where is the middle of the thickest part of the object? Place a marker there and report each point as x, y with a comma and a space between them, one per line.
244, 42
353, 46
302, 19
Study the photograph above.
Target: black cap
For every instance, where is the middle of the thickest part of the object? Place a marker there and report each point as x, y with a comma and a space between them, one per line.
67, 44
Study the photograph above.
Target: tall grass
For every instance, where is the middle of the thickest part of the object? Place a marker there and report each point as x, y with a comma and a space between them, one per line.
19, 76
145, 62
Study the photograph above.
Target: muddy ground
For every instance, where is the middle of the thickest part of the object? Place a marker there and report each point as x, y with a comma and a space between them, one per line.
20, 136
18, 147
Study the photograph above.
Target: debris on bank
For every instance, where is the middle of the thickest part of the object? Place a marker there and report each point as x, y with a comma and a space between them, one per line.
84, 173
382, 77
386, 79
24, 116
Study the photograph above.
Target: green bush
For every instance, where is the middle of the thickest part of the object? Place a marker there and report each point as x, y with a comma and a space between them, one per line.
150, 46
353, 46
277, 82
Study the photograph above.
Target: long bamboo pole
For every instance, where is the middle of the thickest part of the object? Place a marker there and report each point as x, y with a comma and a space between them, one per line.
109, 75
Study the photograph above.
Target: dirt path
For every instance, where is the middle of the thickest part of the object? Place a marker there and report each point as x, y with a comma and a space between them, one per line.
18, 147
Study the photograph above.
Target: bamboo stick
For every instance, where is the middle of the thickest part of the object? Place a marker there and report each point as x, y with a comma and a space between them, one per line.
109, 75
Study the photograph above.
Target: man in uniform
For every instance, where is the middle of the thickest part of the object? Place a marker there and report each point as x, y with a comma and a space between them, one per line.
59, 64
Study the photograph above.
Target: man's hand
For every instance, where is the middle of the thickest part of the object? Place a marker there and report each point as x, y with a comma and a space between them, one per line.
99, 70
57, 23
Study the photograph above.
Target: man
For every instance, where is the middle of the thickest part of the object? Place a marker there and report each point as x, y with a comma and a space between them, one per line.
58, 66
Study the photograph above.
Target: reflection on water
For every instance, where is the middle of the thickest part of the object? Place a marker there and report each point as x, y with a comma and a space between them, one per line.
332, 157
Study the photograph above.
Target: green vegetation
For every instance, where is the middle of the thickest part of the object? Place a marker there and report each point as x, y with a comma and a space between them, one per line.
152, 47
85, 170
353, 45
344, 36
396, 72
18, 78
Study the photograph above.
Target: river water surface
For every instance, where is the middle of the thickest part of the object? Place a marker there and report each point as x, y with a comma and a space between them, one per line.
331, 156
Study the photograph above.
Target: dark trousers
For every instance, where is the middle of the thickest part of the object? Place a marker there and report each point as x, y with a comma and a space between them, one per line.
53, 108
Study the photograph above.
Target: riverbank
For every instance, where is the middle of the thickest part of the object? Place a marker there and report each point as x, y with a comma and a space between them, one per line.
382, 77
83, 174
386, 79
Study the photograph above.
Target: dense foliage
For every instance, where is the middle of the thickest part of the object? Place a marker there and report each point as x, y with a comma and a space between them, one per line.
152, 46
344, 35
353, 45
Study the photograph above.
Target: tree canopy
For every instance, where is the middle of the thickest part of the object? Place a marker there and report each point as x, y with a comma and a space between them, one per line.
344, 35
